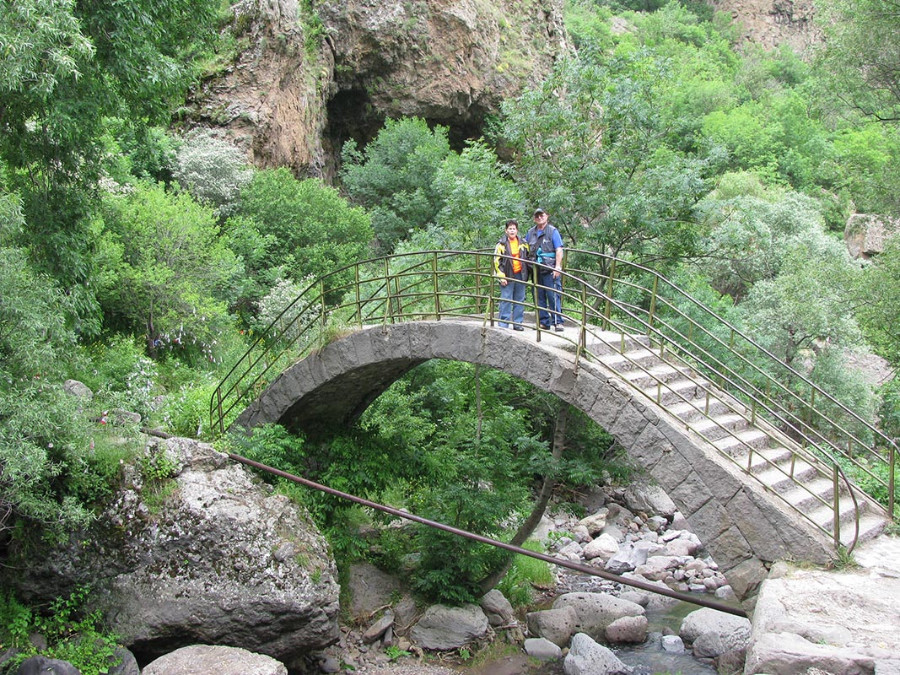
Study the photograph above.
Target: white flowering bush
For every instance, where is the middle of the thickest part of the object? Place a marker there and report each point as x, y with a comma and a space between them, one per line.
294, 319
213, 170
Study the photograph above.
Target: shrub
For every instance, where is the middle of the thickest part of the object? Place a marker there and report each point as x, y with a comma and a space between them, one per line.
213, 170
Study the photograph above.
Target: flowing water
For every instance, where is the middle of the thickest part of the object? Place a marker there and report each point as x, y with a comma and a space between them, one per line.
648, 658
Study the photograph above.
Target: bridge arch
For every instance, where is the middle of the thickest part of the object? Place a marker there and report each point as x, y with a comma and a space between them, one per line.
744, 528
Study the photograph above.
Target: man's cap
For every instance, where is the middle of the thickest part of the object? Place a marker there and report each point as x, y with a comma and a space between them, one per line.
538, 212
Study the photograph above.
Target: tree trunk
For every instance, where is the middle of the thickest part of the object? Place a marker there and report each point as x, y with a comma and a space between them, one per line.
531, 522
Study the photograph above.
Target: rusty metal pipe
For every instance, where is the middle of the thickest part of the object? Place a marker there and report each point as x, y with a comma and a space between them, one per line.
593, 571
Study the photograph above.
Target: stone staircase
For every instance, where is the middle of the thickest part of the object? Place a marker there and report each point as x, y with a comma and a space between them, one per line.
784, 468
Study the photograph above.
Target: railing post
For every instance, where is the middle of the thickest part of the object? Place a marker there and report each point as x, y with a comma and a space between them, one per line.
582, 331
358, 298
479, 300
837, 506
388, 300
653, 300
435, 287
892, 466
534, 300
219, 409
324, 309
609, 292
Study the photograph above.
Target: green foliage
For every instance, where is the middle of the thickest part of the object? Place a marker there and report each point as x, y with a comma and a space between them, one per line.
119, 373
524, 574
600, 159
877, 295
393, 177
50, 476
67, 68
477, 199
306, 227
860, 59
752, 231
394, 652
72, 633
165, 272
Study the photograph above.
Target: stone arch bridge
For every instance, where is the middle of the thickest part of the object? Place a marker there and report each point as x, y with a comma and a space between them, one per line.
750, 491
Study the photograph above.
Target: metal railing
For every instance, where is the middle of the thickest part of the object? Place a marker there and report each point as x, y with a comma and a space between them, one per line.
610, 301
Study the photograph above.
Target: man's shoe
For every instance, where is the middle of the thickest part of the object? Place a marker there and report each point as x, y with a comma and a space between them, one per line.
545, 327
558, 328
518, 328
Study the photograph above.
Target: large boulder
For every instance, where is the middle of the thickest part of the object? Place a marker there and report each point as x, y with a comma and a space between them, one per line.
219, 660
586, 657
215, 557
595, 611
443, 627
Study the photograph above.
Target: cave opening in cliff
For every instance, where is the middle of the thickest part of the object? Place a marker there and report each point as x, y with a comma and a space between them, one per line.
351, 115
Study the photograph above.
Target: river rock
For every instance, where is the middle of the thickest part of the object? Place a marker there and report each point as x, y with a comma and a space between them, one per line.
218, 660
715, 631
586, 657
603, 547
627, 629
595, 611
370, 589
650, 499
542, 649
556, 625
445, 628
497, 608
41, 665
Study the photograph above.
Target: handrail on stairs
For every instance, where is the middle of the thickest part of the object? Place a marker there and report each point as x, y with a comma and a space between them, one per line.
762, 376
635, 299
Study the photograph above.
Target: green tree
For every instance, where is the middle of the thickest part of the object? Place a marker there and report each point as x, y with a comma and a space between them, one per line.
860, 57
478, 199
752, 230
41, 438
805, 308
877, 296
66, 67
393, 177
307, 228
591, 148
164, 271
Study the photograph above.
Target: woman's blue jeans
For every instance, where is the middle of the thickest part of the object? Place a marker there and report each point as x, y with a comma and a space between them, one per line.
512, 303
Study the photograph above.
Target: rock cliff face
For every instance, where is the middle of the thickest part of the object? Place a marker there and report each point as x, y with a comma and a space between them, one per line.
306, 80
304, 84
770, 23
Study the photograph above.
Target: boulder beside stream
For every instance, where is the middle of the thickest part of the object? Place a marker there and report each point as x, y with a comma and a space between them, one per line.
209, 554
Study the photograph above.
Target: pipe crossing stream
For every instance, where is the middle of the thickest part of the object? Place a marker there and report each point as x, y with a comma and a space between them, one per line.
585, 569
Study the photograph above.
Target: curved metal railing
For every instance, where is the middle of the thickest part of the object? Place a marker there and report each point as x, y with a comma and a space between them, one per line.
611, 301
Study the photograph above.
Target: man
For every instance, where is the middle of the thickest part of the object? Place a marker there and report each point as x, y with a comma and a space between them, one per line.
511, 268
546, 247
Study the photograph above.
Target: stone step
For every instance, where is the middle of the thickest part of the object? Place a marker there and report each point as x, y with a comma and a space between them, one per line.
677, 392
804, 497
631, 360
870, 526
781, 477
719, 426
823, 516
738, 444
697, 408
662, 372
600, 343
